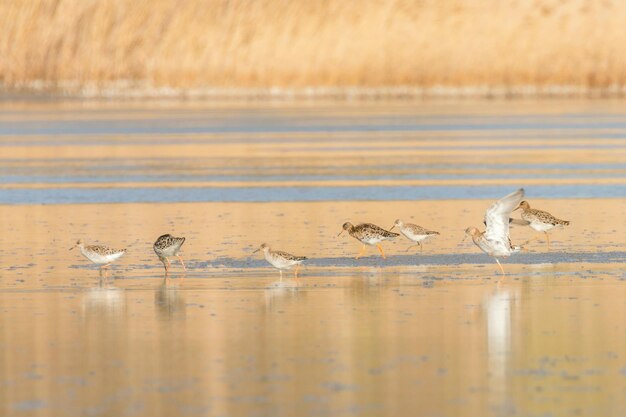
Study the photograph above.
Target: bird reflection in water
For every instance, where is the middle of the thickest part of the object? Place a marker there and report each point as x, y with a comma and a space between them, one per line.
280, 291
104, 299
497, 307
169, 299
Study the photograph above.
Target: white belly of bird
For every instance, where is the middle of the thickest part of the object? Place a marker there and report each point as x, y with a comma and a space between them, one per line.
372, 240
495, 249
102, 259
414, 237
541, 227
281, 263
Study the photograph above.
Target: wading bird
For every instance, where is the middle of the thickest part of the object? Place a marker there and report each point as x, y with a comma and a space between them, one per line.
167, 246
368, 234
281, 260
495, 241
541, 221
102, 256
414, 233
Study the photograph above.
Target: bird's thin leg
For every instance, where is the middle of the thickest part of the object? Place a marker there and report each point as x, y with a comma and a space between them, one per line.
180, 258
380, 248
548, 238
500, 265
182, 278
523, 245
421, 247
412, 246
104, 268
281, 274
361, 252
295, 273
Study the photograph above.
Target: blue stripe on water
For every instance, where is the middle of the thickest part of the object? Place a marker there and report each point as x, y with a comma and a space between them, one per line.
182, 125
274, 194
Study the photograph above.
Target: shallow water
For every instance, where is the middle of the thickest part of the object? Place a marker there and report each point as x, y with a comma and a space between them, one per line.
432, 333
76, 152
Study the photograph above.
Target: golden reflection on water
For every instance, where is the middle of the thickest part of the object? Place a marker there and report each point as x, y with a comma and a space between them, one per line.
530, 346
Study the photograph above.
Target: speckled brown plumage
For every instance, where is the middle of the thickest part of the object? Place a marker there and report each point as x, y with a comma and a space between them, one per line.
288, 256
103, 250
413, 232
414, 229
538, 216
167, 246
368, 232
281, 260
539, 220
99, 254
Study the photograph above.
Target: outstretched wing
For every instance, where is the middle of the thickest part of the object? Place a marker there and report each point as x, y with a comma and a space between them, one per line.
497, 217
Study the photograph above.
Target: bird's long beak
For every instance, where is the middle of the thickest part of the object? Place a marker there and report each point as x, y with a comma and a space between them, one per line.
256, 250
391, 228
464, 237
340, 233
73, 247
518, 207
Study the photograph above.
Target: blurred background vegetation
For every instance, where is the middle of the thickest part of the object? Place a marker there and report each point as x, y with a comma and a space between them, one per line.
411, 46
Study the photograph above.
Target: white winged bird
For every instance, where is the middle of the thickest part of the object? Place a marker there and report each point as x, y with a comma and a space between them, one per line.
495, 241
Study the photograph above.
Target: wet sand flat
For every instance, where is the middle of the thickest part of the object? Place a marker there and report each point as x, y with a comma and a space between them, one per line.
222, 236
432, 333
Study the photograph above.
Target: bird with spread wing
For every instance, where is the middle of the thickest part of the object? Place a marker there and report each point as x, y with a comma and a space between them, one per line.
495, 241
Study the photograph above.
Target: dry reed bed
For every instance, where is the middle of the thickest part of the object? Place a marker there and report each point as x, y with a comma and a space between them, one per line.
404, 45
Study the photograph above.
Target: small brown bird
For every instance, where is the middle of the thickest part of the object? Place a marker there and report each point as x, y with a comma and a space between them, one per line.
368, 234
167, 246
103, 256
281, 260
414, 233
539, 220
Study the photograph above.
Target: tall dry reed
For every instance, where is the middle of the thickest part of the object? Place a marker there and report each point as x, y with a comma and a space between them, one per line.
301, 43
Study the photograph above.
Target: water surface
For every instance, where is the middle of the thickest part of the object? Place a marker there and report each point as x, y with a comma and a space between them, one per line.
75, 152
433, 333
